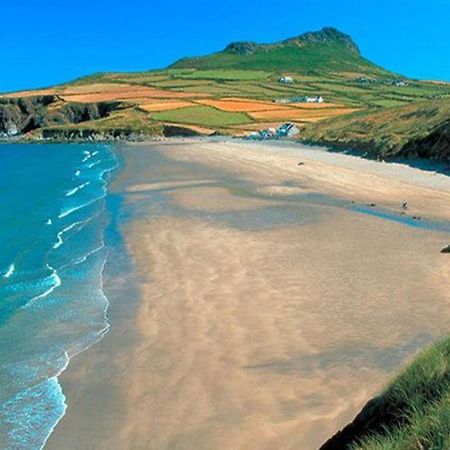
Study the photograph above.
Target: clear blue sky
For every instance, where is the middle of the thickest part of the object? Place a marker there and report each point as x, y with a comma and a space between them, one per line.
50, 41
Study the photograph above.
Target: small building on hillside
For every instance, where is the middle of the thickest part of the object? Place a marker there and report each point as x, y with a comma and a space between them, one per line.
287, 130
317, 99
286, 80
283, 131
303, 99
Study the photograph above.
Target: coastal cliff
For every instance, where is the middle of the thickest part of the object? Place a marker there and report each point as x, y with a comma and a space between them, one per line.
50, 118
22, 115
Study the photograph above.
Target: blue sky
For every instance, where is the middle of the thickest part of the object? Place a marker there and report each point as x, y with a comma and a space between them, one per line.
50, 41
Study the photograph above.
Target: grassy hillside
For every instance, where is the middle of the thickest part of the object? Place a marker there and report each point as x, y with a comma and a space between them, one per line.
412, 414
202, 115
324, 51
417, 129
348, 88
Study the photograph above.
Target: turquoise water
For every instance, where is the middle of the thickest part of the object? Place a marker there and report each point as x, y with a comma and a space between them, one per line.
52, 306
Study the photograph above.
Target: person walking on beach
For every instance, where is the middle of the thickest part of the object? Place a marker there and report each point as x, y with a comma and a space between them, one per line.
405, 205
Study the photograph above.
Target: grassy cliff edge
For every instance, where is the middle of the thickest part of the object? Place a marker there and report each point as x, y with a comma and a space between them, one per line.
413, 413
420, 129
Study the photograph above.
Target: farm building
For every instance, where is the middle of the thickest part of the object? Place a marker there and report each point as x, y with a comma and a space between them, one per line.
305, 99
283, 131
285, 80
287, 130
317, 99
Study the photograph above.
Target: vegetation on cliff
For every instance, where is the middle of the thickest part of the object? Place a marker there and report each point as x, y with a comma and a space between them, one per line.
412, 414
420, 129
20, 116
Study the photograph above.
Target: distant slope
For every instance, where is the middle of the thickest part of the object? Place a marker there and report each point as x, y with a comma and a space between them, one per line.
324, 51
418, 129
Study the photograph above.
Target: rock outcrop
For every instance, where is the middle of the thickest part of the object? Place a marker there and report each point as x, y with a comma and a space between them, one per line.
19, 116
92, 134
242, 48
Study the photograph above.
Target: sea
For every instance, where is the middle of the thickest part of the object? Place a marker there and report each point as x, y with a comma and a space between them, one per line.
53, 217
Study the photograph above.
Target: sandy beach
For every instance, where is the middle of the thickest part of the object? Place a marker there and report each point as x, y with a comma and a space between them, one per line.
256, 303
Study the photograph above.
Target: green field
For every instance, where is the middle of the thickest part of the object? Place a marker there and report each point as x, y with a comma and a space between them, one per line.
226, 75
202, 116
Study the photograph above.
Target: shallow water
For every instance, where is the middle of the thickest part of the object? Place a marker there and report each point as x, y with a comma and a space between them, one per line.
52, 220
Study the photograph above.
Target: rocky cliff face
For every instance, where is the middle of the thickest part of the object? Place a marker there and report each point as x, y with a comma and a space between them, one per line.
327, 35
242, 48
19, 116
116, 134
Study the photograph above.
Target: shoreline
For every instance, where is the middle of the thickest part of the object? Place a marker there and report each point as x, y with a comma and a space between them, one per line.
257, 204
346, 178
366, 153
106, 177
54, 255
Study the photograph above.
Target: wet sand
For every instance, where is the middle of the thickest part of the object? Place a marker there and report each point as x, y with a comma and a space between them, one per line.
255, 313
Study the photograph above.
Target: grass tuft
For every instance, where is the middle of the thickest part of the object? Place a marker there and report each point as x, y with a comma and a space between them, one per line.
417, 406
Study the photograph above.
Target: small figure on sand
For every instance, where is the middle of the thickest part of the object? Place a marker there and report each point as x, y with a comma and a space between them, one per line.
405, 205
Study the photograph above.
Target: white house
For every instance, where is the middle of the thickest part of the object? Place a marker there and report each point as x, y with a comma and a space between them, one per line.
317, 99
302, 99
285, 80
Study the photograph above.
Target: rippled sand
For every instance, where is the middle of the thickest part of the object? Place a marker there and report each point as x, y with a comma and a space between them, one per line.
263, 320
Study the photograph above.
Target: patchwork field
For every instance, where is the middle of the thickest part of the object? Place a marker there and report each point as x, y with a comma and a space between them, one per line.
202, 115
241, 105
165, 105
235, 100
121, 92
302, 115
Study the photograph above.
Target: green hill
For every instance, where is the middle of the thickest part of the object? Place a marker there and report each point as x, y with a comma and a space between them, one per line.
312, 53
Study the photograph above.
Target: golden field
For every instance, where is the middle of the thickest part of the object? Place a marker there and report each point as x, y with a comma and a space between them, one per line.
207, 110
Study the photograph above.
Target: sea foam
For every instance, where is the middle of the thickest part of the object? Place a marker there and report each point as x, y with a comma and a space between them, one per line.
77, 188
11, 269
